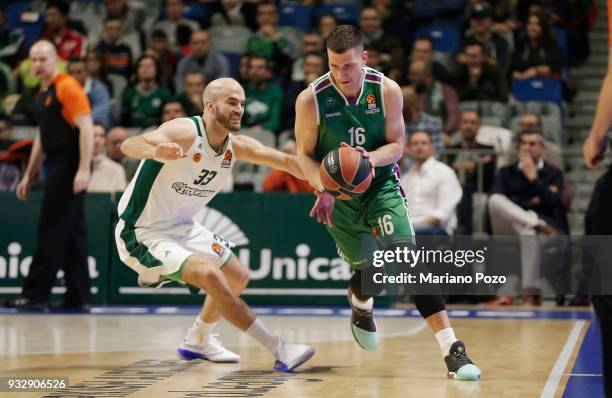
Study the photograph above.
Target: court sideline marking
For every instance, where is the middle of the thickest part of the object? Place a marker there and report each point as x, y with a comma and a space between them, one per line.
557, 371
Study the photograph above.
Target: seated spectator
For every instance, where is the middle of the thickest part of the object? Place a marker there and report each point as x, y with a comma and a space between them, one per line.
11, 42
433, 97
234, 12
538, 53
496, 47
172, 110
391, 47
106, 175
422, 50
142, 102
174, 17
96, 67
313, 68
432, 189
530, 121
160, 46
191, 97
135, 19
278, 44
69, 43
114, 139
97, 93
326, 24
528, 200
504, 16
203, 58
264, 99
311, 43
116, 53
417, 120
281, 181
243, 69
479, 80
6, 132
475, 170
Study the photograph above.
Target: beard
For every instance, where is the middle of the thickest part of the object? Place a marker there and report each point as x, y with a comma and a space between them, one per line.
224, 120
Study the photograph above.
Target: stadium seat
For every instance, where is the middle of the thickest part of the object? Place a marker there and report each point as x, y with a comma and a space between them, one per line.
425, 9
344, 13
297, 16
13, 11
234, 62
195, 11
537, 89
231, 39
445, 39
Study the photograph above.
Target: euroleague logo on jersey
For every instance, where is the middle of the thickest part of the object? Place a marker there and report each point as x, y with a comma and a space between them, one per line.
197, 157
372, 105
217, 248
227, 159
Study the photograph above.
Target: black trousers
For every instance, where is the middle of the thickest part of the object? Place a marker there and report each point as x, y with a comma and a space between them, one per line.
598, 221
61, 240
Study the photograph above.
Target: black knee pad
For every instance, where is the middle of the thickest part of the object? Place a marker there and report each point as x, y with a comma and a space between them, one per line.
429, 305
363, 276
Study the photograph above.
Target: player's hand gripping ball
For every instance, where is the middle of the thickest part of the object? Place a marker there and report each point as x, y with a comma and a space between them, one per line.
345, 173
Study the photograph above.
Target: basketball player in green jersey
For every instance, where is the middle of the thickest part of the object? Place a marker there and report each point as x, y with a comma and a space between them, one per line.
356, 105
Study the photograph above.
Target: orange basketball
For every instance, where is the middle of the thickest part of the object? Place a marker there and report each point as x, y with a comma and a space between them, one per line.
345, 173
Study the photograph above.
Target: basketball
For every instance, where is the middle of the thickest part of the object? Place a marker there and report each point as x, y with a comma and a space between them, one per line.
345, 173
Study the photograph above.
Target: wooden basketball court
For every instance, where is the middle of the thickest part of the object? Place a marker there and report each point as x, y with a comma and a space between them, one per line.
131, 352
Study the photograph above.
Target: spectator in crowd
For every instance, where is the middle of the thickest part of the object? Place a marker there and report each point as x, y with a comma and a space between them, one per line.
311, 43
96, 67
233, 12
115, 138
279, 45
313, 67
433, 97
417, 120
538, 53
172, 110
11, 42
97, 93
133, 16
142, 102
6, 132
191, 97
391, 47
69, 43
527, 200
174, 17
203, 58
159, 45
64, 144
243, 69
106, 175
326, 24
432, 189
478, 79
281, 181
475, 169
263, 98
422, 50
553, 153
496, 47
116, 53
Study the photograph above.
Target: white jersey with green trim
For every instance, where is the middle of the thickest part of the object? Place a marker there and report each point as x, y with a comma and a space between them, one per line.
168, 193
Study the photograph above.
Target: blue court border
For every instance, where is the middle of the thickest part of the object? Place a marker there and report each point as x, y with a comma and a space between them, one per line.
585, 379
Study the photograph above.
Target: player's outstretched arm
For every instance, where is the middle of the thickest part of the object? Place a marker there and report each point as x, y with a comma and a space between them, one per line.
306, 136
595, 144
394, 126
170, 141
250, 150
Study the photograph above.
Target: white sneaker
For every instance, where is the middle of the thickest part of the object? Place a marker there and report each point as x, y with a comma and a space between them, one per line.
292, 355
212, 351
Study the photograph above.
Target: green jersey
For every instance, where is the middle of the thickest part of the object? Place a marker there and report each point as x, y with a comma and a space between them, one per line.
361, 123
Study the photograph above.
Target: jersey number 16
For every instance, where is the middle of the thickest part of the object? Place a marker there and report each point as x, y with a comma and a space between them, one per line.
357, 135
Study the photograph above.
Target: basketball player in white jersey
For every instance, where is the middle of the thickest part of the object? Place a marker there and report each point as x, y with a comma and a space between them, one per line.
185, 162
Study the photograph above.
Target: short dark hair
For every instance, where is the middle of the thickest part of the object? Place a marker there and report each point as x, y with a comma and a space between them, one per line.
159, 35
62, 6
269, 64
474, 42
421, 130
76, 60
344, 38
476, 111
531, 130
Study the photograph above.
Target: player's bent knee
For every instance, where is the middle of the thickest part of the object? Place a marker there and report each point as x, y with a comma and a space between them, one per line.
362, 288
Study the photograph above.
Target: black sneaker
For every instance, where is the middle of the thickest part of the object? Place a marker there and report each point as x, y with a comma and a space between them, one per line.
460, 367
364, 328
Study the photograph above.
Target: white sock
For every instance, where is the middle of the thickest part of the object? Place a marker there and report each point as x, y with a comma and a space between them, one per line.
362, 305
264, 336
199, 332
446, 338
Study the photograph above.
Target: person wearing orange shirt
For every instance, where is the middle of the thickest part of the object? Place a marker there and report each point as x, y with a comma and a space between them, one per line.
65, 143
281, 181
